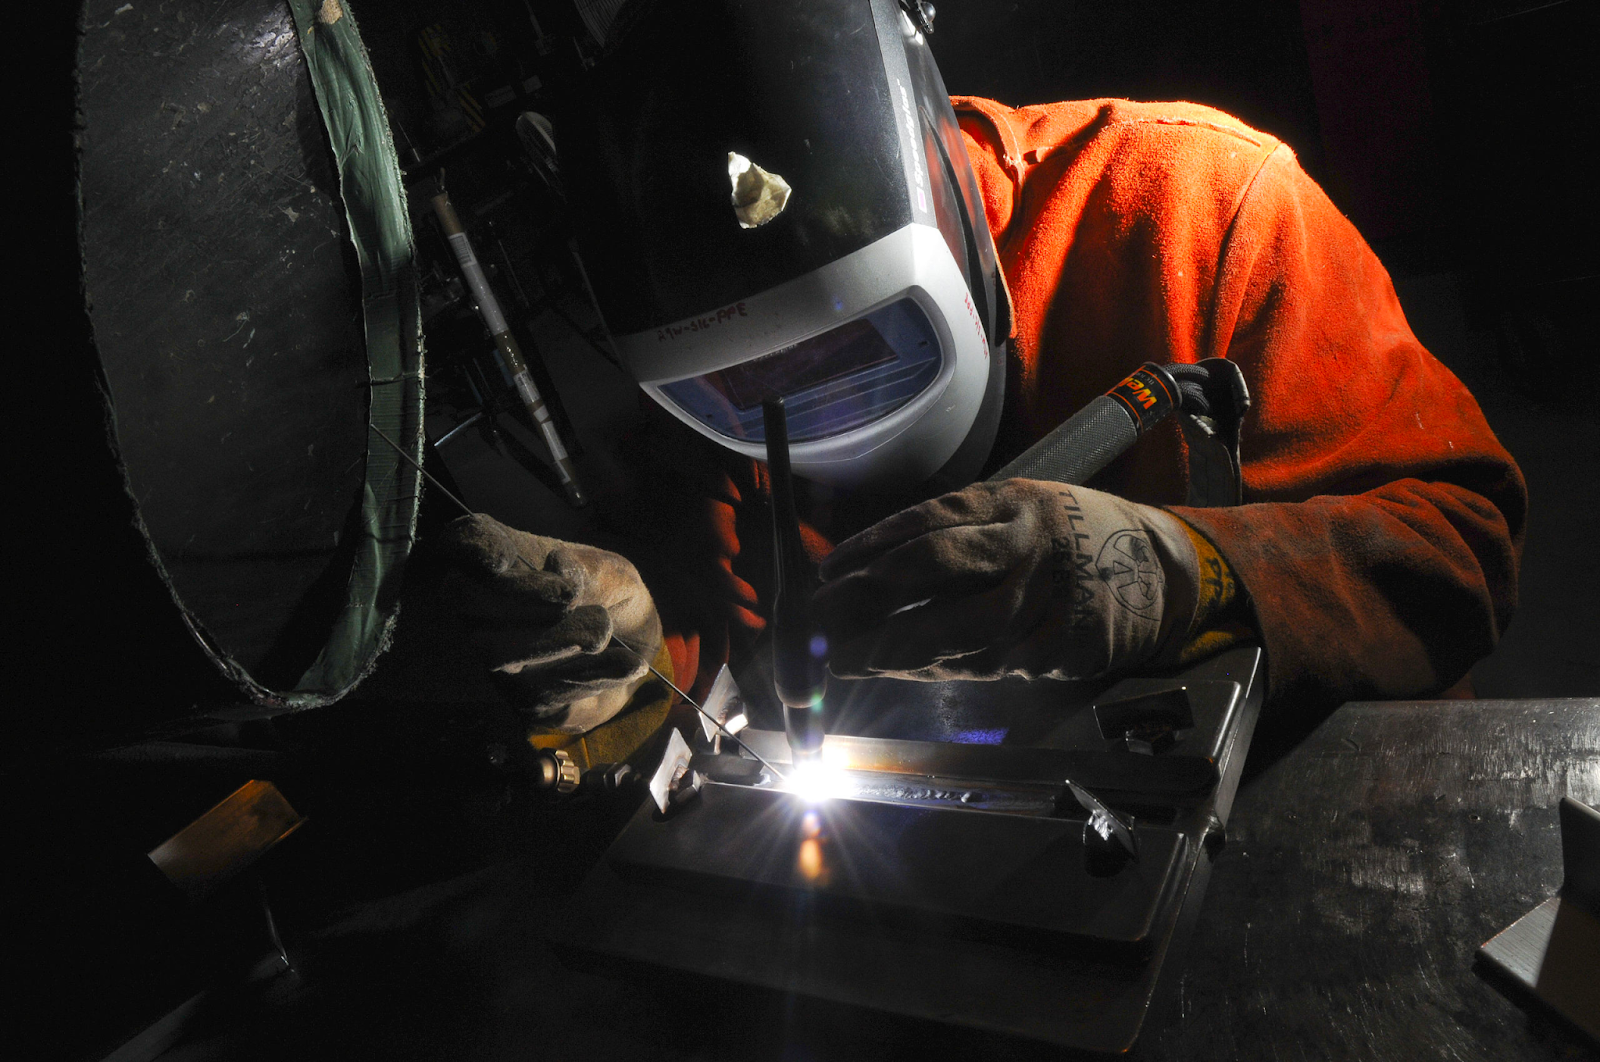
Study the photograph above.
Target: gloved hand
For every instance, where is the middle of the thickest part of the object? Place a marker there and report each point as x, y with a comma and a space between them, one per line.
545, 631
1021, 578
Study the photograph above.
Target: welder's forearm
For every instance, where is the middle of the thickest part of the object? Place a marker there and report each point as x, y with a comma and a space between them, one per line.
1390, 594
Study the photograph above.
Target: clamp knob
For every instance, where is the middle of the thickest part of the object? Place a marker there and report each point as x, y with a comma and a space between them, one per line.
554, 769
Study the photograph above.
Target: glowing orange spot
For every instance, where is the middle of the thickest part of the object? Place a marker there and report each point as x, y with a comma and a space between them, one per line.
811, 865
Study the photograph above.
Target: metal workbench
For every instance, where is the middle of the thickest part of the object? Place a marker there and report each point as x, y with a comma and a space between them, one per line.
1364, 865
1363, 870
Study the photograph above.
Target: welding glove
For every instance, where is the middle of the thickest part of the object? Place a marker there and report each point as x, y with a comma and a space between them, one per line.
1017, 578
543, 613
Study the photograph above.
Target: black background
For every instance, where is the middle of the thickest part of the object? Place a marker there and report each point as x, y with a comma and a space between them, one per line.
1457, 137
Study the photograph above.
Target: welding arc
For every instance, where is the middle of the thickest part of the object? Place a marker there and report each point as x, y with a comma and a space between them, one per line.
686, 698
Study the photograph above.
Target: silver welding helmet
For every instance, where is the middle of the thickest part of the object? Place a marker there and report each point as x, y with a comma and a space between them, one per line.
772, 198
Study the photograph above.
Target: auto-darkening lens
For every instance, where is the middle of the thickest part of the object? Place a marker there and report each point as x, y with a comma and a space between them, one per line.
843, 379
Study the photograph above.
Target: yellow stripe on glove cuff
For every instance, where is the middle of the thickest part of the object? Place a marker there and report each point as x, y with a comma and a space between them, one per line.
1221, 619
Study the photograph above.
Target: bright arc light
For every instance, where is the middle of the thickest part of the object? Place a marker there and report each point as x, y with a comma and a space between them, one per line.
815, 781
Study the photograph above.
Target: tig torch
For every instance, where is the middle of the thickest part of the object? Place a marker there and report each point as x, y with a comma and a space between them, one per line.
799, 651
1212, 392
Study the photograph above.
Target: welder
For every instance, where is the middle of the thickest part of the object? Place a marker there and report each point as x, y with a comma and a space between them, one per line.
779, 200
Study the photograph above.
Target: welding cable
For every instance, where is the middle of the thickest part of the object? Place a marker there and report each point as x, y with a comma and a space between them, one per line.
686, 698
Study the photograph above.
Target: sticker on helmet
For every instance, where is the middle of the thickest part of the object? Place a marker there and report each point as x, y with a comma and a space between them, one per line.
758, 196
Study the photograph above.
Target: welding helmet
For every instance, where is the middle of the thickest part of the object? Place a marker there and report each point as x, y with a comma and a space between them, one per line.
772, 198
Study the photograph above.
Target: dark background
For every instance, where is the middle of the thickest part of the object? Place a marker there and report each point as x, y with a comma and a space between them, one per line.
1457, 137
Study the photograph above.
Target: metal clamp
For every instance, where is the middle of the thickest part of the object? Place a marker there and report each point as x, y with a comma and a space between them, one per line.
921, 13
1215, 400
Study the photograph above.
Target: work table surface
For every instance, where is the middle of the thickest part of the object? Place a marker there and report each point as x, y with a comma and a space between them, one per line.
1362, 871
1365, 862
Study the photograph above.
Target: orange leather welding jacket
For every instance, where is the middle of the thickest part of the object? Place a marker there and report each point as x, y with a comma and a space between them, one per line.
1382, 526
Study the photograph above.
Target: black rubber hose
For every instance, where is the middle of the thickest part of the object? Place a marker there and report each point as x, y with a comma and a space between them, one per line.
1091, 439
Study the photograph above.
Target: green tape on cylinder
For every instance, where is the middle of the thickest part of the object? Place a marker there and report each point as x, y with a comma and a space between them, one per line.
373, 191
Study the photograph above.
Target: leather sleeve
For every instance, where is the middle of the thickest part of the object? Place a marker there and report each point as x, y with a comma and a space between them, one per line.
1383, 533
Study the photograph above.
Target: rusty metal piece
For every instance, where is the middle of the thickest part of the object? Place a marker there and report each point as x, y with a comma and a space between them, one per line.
227, 839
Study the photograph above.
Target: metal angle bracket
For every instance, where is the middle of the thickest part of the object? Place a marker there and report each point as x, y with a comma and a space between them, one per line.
675, 782
724, 705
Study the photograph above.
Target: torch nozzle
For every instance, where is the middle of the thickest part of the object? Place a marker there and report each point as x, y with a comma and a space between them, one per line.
799, 649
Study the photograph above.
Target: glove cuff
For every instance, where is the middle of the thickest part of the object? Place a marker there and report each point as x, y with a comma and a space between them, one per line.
1180, 566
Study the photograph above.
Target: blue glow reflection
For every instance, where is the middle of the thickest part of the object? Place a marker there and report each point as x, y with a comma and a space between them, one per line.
979, 737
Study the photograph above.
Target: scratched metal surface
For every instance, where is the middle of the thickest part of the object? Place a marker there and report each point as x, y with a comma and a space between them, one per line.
1361, 872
